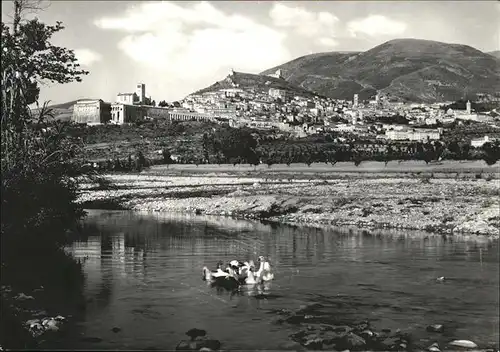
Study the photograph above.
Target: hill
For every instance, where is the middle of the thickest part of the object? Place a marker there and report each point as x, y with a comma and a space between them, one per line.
406, 69
495, 53
62, 111
258, 83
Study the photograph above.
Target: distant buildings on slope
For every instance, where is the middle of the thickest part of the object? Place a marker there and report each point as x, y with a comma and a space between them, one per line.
284, 110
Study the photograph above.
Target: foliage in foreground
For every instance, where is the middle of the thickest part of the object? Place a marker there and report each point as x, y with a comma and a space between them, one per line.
40, 166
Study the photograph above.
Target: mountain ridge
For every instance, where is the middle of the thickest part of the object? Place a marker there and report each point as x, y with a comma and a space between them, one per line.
406, 69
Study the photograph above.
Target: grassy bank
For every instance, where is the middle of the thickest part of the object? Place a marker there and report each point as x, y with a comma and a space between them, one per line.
460, 198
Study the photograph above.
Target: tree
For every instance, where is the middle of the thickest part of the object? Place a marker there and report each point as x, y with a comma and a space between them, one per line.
332, 157
236, 144
167, 157
357, 158
140, 161
491, 152
162, 104
28, 58
206, 144
129, 162
37, 161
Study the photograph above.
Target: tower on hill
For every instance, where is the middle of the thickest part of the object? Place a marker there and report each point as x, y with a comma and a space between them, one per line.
141, 92
468, 107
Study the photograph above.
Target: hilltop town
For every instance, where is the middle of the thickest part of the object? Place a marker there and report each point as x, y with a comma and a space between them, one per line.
273, 105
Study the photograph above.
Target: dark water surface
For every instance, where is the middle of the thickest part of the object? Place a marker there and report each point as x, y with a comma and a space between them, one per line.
144, 276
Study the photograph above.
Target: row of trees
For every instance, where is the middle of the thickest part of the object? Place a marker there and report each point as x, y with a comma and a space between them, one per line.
132, 163
308, 153
282, 153
240, 146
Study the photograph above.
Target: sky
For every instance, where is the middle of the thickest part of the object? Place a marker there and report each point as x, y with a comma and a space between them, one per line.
176, 48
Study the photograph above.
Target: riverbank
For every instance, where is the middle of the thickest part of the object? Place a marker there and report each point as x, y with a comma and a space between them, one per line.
41, 295
402, 200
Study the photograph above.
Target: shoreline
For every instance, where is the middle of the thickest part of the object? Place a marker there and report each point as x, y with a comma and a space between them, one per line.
444, 205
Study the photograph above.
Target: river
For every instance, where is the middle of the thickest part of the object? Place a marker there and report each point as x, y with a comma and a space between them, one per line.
143, 275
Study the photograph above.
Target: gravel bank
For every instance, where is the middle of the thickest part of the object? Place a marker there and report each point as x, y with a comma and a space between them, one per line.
441, 205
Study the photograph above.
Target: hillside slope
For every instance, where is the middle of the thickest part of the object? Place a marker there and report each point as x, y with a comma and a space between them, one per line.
407, 69
495, 53
62, 111
259, 83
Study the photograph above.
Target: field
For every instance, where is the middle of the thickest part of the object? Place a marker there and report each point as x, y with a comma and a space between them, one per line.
447, 168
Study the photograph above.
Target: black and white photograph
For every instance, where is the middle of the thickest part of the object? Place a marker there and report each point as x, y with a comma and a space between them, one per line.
249, 175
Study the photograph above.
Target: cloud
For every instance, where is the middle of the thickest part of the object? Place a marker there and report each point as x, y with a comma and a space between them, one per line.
329, 42
195, 40
87, 57
304, 22
376, 25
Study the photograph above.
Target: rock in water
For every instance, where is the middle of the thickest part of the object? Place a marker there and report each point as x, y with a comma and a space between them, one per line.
91, 339
193, 346
212, 344
352, 342
435, 328
463, 343
183, 346
434, 348
314, 344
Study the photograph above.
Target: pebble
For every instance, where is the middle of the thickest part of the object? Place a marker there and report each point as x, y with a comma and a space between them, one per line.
22, 296
91, 339
434, 348
435, 328
463, 343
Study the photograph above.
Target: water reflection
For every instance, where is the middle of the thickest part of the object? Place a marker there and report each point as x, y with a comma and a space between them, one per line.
144, 275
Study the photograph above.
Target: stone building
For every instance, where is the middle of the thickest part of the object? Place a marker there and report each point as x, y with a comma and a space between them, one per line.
126, 98
126, 113
413, 135
156, 112
189, 116
92, 112
280, 93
